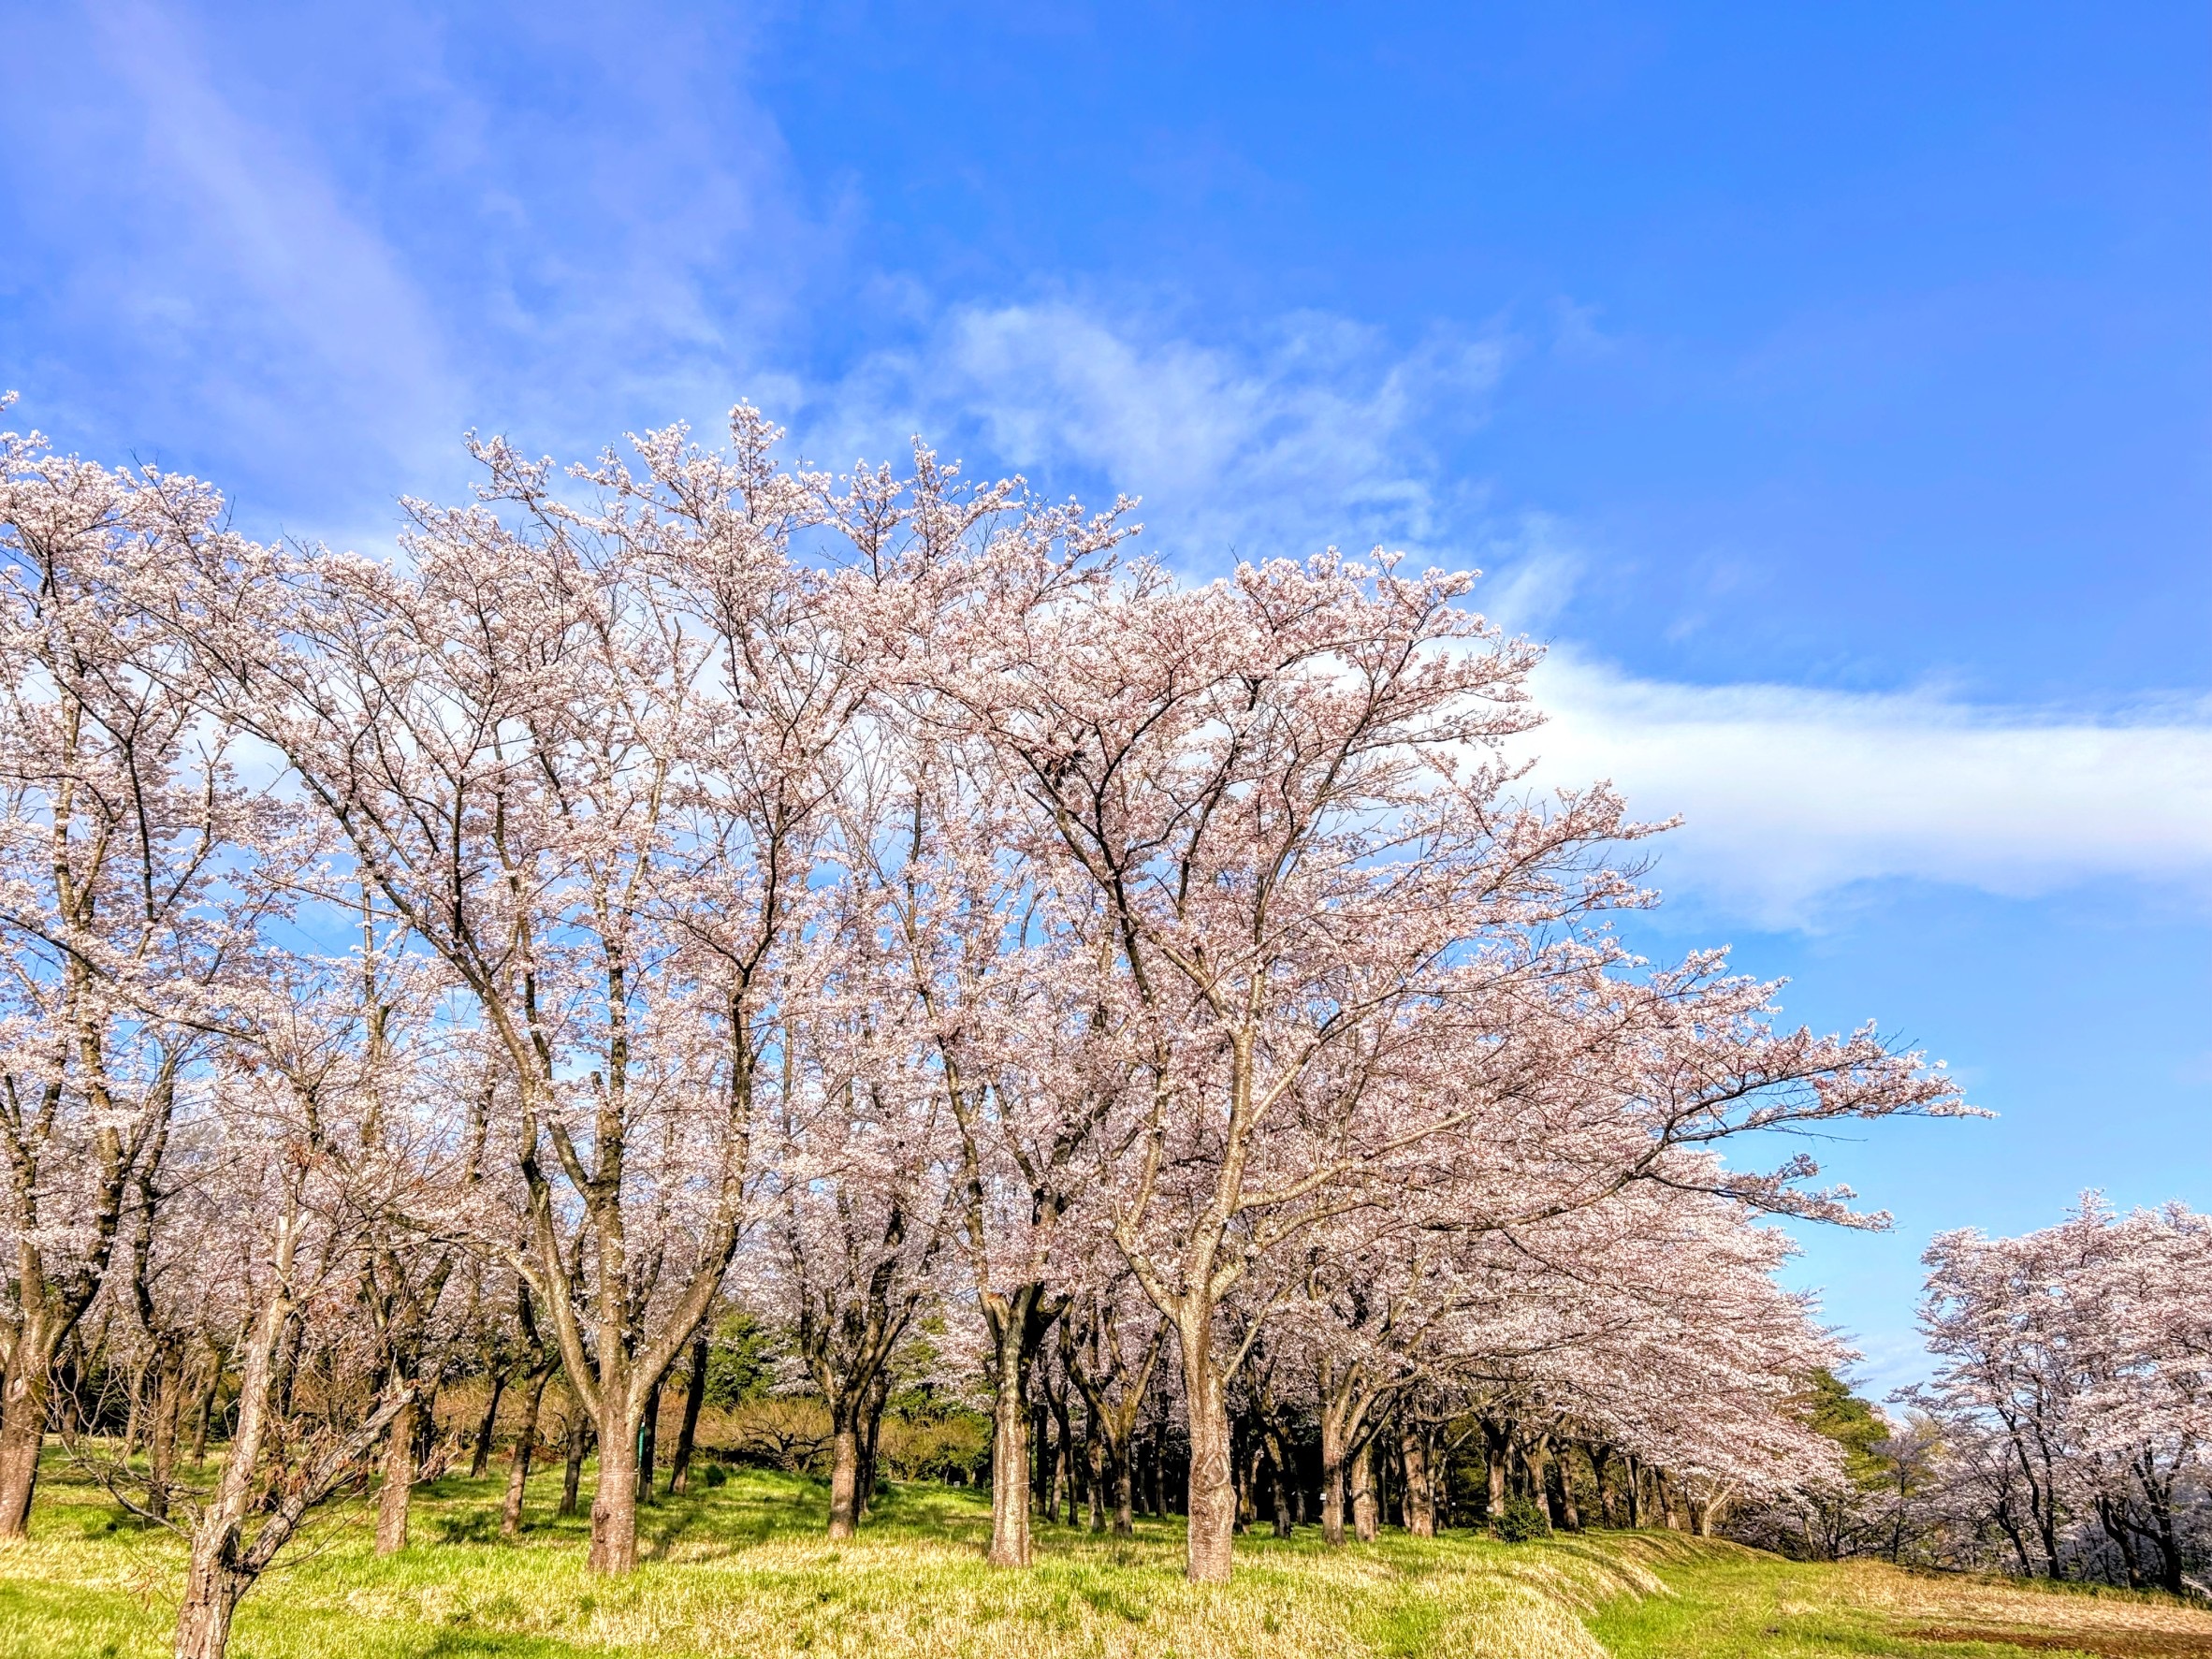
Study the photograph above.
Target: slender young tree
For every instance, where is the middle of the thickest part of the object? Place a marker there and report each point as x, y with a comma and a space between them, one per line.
128, 850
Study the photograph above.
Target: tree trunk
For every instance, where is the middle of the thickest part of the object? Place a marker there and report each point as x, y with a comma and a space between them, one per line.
1420, 1498
161, 1441
1010, 1545
205, 1410
871, 1434
648, 1436
1062, 1491
1040, 1442
1212, 1496
1543, 1477
138, 1411
28, 1392
571, 1475
212, 1596
687, 1435
2113, 1518
2169, 1550
399, 1483
1366, 1504
480, 1457
1094, 1470
614, 1499
1124, 1494
526, 1441
1278, 1497
844, 1499
1332, 1479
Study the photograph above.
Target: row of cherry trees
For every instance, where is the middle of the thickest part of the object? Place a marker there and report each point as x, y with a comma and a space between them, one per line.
2067, 1429
882, 900
2073, 1410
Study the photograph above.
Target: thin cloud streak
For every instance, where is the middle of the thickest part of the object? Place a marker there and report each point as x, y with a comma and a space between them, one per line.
252, 237
1313, 433
1789, 795
1310, 433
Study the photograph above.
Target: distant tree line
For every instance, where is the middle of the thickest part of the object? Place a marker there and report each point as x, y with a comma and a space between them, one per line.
2065, 1432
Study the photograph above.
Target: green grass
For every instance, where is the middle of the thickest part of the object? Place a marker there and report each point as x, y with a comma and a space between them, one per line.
1737, 1604
741, 1571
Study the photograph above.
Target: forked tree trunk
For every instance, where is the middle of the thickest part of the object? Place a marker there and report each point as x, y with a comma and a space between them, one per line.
224, 1562
526, 1442
872, 1436
399, 1483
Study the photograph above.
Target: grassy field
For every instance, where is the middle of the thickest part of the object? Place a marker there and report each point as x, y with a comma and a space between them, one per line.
739, 1572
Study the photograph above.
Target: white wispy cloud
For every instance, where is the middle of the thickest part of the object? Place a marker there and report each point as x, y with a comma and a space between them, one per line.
1315, 433
1311, 431
252, 256
1789, 793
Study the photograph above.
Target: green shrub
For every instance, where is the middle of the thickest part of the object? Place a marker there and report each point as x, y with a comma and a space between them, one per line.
1520, 1520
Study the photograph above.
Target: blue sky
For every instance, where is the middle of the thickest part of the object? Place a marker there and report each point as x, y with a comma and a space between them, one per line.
1829, 386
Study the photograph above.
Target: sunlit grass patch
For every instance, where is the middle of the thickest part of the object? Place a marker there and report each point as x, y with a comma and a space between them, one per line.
741, 1570
1724, 1604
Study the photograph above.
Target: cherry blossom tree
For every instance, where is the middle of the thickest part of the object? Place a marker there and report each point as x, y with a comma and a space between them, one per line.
306, 1230
1282, 791
852, 879
579, 752
2079, 1356
129, 852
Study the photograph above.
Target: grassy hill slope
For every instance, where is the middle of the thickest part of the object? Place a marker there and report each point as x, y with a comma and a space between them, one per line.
740, 1569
